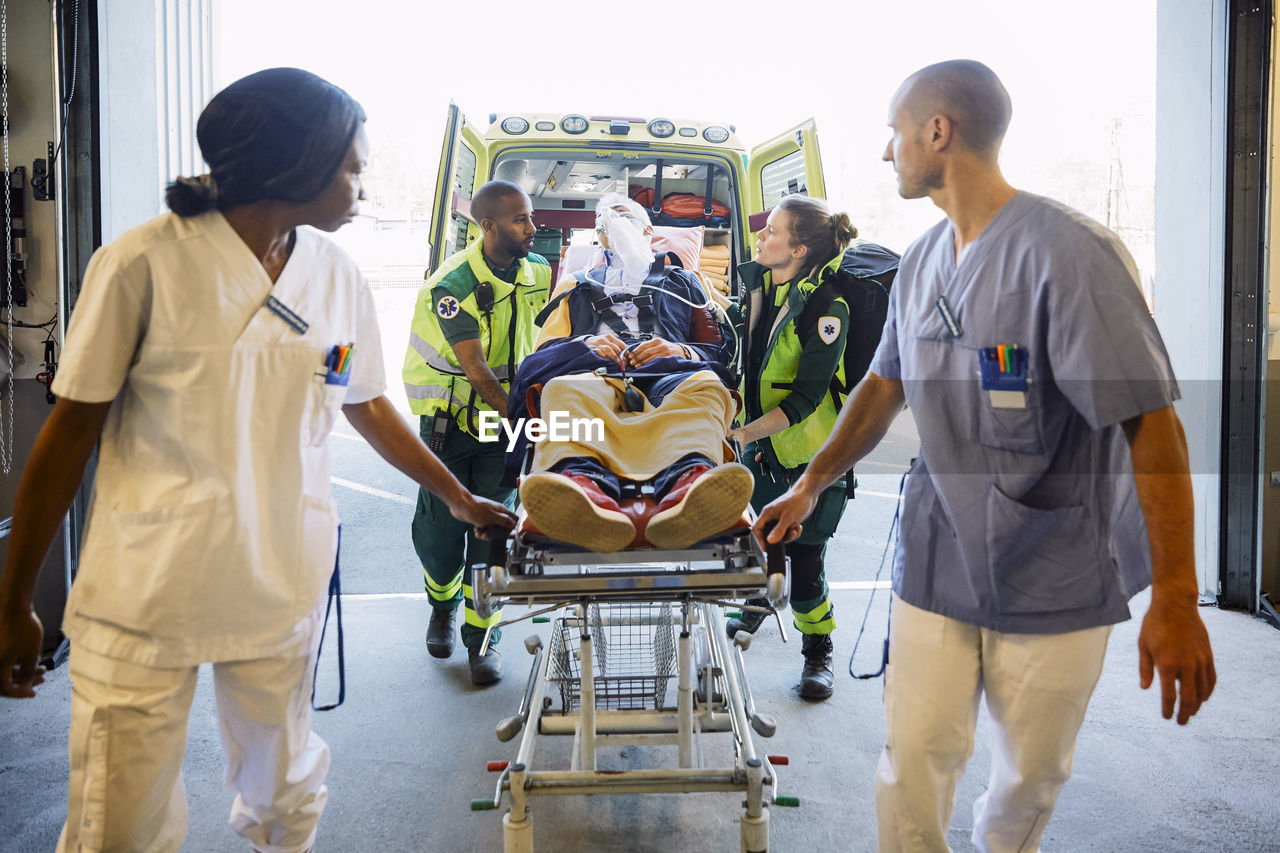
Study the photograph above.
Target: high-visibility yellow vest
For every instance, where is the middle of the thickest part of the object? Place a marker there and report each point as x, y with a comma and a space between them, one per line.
797, 444
433, 379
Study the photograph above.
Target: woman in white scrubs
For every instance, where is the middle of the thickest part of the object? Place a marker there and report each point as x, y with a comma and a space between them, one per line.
210, 351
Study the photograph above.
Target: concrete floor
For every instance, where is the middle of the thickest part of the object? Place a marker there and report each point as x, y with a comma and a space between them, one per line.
411, 741
410, 744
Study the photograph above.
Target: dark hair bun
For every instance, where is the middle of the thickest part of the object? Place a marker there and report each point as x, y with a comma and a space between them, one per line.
842, 229
191, 196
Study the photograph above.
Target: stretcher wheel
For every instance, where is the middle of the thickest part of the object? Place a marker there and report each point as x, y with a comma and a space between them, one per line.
755, 833
517, 835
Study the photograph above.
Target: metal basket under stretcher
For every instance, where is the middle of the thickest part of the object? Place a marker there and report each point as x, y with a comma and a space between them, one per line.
635, 656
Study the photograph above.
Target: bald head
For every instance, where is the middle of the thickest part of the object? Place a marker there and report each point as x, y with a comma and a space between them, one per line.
489, 201
966, 92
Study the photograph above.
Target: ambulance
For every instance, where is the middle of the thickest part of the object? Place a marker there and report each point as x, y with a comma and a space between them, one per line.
707, 193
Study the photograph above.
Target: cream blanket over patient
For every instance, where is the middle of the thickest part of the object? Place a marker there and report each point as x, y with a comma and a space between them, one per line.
694, 418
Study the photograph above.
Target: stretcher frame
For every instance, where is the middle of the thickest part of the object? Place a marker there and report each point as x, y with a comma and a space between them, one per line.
694, 585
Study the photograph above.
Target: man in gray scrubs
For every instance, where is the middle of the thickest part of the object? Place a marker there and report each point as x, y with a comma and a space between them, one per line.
1052, 482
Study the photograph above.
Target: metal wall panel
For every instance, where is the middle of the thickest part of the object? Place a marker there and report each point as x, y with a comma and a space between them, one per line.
184, 80
1248, 72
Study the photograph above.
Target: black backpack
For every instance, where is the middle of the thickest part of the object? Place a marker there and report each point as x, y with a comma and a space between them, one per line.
865, 276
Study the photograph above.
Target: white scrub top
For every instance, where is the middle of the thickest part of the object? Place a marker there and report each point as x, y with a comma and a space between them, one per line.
212, 531
1024, 519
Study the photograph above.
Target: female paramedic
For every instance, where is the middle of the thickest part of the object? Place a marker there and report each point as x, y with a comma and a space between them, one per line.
790, 358
210, 351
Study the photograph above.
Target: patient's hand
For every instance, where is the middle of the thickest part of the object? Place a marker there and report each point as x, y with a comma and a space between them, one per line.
608, 346
642, 354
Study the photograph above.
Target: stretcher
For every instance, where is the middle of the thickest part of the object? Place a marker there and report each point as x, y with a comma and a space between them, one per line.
638, 655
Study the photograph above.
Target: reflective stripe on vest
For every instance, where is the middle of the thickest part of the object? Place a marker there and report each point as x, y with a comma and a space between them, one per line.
437, 361
433, 379
433, 392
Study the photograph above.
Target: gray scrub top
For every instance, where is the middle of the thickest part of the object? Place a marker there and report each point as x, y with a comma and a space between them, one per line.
1024, 520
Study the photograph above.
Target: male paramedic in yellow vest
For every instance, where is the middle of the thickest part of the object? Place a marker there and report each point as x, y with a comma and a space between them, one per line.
473, 323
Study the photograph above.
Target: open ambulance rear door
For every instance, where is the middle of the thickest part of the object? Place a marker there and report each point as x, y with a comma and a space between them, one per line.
788, 163
464, 167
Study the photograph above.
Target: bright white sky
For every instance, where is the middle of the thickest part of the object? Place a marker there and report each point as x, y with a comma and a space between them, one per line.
764, 66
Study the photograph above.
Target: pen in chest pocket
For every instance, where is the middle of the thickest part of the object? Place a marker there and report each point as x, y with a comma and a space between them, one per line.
338, 361
1002, 371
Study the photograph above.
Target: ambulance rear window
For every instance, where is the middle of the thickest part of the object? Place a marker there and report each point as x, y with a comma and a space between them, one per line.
783, 176
463, 180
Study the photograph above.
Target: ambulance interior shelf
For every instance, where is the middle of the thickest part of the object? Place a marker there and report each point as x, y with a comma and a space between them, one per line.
556, 184
564, 193
701, 250
550, 177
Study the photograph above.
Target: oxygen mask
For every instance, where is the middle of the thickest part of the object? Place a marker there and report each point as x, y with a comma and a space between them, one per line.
629, 242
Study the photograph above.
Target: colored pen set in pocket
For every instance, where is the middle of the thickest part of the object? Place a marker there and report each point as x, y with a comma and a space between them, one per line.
1003, 371
338, 364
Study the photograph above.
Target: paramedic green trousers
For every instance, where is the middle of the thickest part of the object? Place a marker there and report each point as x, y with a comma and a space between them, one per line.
447, 547
811, 607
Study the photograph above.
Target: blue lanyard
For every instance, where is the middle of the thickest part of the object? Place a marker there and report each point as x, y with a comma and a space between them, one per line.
335, 594
884, 660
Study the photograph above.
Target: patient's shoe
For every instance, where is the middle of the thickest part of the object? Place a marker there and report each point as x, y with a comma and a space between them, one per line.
702, 503
573, 509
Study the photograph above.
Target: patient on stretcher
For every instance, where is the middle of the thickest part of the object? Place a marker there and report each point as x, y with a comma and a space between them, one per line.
636, 344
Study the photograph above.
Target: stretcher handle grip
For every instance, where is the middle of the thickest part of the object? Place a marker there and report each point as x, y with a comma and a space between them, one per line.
775, 553
497, 538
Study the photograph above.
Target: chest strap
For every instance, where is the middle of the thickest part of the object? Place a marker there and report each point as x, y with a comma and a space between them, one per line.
603, 303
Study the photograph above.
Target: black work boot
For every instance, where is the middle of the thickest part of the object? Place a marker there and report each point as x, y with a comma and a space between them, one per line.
440, 632
487, 669
750, 621
816, 679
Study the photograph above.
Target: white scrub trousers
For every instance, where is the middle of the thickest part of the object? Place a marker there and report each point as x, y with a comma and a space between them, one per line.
129, 731
1037, 688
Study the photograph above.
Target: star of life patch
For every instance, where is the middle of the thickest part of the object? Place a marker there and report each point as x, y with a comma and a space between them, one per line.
828, 328
448, 307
